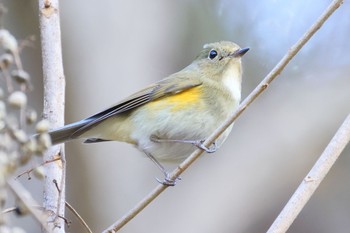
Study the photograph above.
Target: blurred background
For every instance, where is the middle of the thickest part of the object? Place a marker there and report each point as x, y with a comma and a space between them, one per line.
113, 48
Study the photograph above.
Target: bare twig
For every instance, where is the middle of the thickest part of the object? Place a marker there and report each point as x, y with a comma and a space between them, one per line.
28, 202
8, 210
18, 211
253, 95
54, 93
71, 208
31, 169
313, 179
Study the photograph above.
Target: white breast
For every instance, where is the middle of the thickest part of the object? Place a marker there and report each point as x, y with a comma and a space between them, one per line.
232, 80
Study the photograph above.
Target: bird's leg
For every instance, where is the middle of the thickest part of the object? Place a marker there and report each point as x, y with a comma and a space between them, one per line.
197, 143
210, 149
167, 180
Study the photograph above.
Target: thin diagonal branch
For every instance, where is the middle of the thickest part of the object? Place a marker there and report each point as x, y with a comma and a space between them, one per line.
81, 220
29, 202
312, 180
252, 96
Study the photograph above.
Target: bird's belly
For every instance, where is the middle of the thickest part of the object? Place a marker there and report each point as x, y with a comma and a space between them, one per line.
192, 122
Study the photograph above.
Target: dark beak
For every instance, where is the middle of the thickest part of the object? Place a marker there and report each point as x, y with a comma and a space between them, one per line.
240, 52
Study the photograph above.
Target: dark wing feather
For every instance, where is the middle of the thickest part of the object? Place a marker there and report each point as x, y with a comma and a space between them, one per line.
169, 86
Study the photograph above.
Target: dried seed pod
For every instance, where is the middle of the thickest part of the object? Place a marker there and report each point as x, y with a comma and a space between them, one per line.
20, 76
12, 165
5, 141
44, 142
17, 99
6, 59
30, 147
31, 116
24, 159
21, 208
39, 172
20, 136
8, 41
42, 126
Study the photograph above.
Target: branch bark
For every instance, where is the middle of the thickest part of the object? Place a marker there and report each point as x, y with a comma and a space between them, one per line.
252, 96
54, 94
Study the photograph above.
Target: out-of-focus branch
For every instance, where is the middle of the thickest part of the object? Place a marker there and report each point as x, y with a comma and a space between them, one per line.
25, 197
313, 179
252, 96
54, 94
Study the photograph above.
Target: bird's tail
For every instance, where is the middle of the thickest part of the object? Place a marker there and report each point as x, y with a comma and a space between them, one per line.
67, 132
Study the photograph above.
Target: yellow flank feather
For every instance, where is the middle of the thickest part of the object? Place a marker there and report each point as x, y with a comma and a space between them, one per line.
179, 101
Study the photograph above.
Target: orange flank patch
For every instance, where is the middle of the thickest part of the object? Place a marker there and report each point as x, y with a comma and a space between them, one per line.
179, 101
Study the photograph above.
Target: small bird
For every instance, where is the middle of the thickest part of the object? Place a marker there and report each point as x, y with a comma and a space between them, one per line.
169, 119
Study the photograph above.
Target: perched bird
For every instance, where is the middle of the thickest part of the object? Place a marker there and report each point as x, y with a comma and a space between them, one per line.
168, 119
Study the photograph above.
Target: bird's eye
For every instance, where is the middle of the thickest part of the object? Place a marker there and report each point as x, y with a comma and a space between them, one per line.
212, 54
